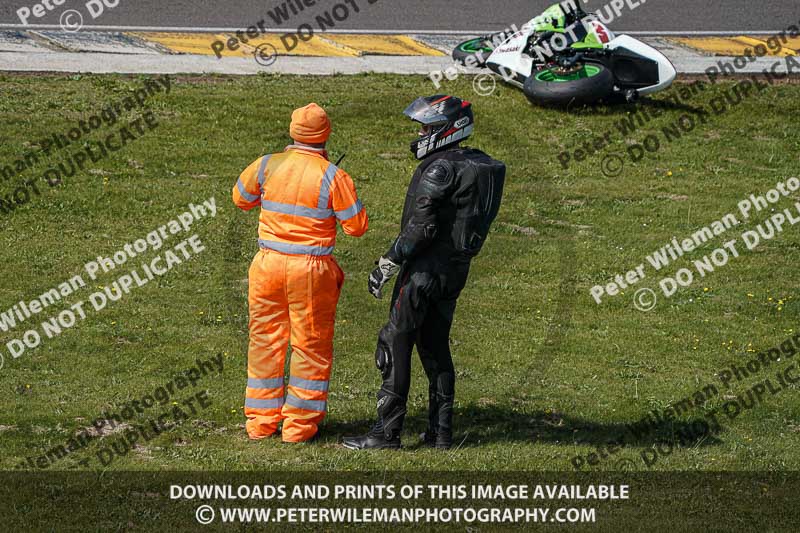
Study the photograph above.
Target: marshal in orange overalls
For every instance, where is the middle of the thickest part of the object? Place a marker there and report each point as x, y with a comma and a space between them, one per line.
294, 280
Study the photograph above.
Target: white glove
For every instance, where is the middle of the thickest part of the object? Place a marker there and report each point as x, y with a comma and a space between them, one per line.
380, 276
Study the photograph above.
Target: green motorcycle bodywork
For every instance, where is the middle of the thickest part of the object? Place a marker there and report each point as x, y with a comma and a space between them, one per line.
553, 19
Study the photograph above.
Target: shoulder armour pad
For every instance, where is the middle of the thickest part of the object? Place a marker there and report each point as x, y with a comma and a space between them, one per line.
439, 172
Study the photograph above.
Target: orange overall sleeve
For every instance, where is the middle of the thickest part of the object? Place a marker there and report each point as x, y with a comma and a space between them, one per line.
247, 191
348, 208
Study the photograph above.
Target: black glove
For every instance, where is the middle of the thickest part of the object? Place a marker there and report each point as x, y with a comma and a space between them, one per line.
380, 276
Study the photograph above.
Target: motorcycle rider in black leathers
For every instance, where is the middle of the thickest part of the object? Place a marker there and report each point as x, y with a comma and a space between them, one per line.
452, 200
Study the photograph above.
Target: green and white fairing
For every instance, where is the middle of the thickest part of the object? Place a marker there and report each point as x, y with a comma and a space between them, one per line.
552, 19
516, 62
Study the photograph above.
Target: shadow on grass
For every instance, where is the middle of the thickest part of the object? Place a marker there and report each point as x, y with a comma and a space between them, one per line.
477, 426
671, 105
643, 106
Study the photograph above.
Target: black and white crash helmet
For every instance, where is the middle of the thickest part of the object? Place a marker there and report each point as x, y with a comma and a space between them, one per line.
446, 120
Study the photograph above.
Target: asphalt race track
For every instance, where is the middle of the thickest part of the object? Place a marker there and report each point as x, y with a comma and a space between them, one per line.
418, 16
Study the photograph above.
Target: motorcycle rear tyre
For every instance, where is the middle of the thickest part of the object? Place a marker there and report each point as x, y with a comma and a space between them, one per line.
588, 84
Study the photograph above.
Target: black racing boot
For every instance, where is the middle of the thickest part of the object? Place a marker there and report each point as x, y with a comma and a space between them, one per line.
442, 395
429, 437
376, 439
444, 432
385, 434
440, 427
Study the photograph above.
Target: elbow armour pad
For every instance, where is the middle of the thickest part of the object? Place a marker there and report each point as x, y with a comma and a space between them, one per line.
435, 184
419, 226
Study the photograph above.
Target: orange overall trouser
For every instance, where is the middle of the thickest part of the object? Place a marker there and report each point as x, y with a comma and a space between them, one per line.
293, 299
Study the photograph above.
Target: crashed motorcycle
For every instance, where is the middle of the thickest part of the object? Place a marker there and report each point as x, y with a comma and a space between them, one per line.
568, 57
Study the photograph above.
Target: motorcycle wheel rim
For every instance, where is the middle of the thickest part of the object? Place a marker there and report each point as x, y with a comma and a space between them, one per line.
474, 46
549, 75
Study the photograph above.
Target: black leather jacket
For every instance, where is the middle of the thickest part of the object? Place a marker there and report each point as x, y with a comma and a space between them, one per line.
453, 198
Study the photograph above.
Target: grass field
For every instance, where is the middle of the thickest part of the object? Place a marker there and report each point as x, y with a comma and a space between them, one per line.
544, 373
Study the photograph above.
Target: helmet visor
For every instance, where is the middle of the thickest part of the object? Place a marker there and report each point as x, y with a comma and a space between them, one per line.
426, 130
421, 111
